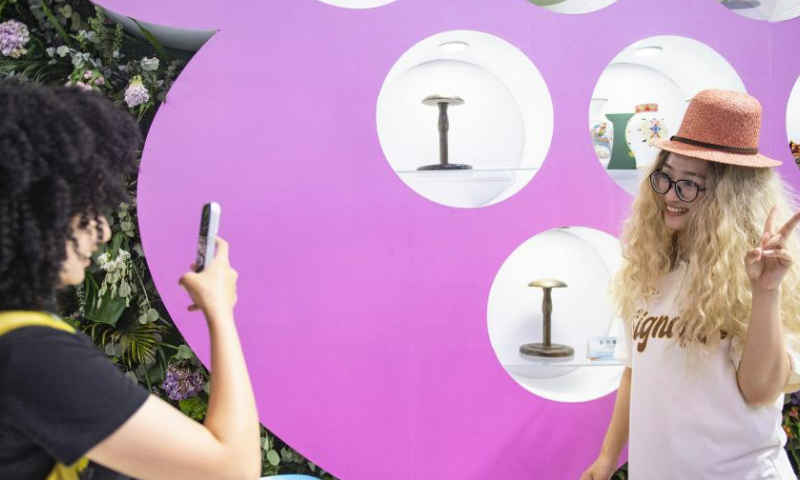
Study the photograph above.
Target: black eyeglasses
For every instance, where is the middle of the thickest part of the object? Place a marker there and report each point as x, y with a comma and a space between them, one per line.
686, 190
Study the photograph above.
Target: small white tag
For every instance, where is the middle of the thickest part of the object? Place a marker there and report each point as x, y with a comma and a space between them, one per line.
601, 348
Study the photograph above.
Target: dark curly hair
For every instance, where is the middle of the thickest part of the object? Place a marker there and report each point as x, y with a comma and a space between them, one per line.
63, 153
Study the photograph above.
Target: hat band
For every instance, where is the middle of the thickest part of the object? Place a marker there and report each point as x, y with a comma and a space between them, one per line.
724, 148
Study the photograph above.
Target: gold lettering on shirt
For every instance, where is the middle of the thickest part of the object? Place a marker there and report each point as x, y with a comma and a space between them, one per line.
646, 326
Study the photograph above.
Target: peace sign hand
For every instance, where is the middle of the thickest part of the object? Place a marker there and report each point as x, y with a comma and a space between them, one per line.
767, 263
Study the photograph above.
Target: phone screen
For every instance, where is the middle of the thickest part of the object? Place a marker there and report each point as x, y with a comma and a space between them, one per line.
207, 240
202, 240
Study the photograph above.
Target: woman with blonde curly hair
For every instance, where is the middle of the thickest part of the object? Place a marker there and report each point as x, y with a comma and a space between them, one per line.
709, 300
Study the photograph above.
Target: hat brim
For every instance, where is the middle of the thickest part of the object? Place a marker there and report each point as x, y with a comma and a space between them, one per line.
711, 155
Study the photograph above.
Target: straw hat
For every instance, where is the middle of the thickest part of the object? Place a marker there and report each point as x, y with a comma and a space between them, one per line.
720, 126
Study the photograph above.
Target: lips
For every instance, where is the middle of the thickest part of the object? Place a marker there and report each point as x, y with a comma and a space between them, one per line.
675, 211
84, 258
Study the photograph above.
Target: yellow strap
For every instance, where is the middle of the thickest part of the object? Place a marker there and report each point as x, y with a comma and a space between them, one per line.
68, 472
12, 320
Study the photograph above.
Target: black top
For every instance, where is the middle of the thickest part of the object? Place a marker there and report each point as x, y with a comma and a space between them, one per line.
59, 397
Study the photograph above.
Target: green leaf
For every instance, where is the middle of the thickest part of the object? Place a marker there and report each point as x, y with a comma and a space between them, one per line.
54, 22
153, 41
152, 315
2, 6
124, 289
109, 309
116, 241
193, 407
184, 352
273, 458
155, 375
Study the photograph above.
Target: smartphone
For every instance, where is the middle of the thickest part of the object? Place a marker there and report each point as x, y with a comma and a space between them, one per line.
207, 241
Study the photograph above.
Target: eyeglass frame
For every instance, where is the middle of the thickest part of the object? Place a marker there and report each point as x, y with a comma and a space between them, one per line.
673, 183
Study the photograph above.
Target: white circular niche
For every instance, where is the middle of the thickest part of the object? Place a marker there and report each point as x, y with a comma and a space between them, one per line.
793, 121
764, 10
502, 130
643, 94
358, 4
584, 259
572, 6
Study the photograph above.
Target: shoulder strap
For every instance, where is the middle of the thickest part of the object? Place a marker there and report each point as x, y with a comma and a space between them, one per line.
68, 472
12, 320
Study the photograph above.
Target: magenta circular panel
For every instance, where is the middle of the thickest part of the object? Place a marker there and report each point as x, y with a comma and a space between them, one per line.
363, 305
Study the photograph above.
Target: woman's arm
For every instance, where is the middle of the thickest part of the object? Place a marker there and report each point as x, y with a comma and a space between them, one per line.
616, 435
764, 368
159, 442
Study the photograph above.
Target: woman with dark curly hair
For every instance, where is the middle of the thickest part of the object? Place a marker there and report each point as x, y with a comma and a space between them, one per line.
63, 154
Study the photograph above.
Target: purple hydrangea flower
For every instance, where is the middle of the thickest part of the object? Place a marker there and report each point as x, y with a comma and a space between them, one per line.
795, 397
13, 37
136, 93
182, 382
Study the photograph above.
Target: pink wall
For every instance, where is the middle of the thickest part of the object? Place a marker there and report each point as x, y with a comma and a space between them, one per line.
362, 305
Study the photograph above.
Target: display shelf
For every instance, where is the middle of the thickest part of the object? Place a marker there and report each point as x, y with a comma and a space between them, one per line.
511, 358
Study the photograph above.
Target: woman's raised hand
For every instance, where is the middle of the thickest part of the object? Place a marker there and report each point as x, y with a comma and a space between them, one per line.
767, 263
214, 289
158, 441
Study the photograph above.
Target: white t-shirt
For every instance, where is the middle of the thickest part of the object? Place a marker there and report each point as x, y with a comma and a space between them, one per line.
693, 423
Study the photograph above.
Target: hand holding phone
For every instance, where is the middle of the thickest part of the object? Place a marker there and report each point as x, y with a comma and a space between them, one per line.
213, 290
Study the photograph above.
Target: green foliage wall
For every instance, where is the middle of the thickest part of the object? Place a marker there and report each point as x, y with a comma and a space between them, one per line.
70, 42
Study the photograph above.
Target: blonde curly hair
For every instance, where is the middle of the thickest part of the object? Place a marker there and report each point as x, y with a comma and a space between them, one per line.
727, 223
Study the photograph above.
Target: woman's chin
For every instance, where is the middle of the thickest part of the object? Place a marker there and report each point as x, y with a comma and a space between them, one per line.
73, 278
675, 224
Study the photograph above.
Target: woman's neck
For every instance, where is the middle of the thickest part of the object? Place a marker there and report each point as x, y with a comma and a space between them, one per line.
680, 248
